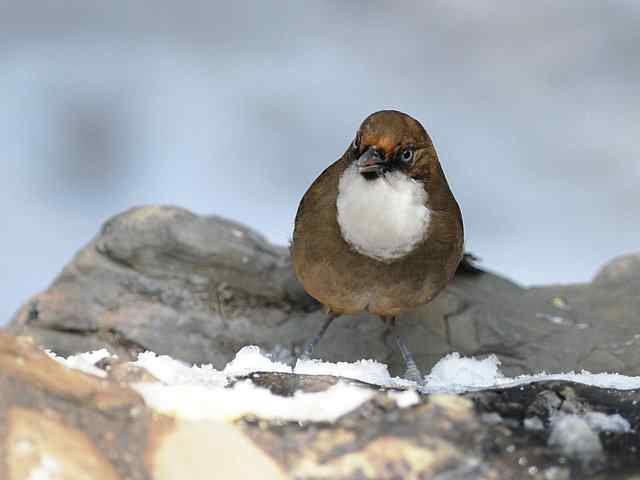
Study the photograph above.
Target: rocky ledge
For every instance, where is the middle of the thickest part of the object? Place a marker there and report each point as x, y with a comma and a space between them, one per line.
199, 288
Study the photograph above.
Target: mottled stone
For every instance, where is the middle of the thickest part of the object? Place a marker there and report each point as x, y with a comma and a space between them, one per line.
205, 450
40, 446
58, 423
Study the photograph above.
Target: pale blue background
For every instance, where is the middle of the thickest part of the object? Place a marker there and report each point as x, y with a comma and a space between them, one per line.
234, 107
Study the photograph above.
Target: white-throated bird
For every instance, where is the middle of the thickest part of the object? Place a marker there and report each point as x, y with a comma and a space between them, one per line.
379, 230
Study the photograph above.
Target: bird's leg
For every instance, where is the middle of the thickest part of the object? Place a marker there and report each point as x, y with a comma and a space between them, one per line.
388, 330
311, 344
412, 372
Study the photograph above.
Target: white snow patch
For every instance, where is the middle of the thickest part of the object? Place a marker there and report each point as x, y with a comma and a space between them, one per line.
175, 372
601, 422
368, 371
405, 398
603, 380
47, 469
244, 398
598, 421
85, 362
383, 218
573, 437
250, 359
204, 392
454, 373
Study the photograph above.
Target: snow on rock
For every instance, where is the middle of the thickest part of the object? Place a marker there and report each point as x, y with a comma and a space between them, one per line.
368, 371
405, 398
602, 380
250, 359
244, 398
175, 372
454, 373
451, 374
85, 362
601, 422
574, 438
198, 393
204, 392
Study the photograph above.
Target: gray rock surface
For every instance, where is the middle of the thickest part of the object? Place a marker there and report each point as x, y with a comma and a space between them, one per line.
199, 288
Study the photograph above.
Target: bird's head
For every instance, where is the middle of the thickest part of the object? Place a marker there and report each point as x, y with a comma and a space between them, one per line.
389, 141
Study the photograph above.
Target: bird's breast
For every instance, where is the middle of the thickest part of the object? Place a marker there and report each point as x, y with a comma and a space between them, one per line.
385, 218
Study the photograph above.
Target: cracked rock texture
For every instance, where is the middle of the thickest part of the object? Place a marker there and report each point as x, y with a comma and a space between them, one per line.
199, 288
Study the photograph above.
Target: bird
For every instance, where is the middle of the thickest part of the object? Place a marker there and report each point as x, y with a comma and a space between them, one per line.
379, 230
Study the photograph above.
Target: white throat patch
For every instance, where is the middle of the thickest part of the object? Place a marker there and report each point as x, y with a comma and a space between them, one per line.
383, 218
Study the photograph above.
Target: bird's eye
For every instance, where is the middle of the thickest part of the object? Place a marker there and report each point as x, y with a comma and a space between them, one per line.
407, 155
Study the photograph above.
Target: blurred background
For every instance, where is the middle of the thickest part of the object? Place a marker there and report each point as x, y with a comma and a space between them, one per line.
234, 108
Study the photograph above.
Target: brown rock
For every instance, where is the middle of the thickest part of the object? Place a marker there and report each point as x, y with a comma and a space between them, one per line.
62, 424
205, 450
65, 420
36, 442
71, 426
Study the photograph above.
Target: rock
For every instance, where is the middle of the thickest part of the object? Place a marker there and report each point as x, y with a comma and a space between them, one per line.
59, 423
65, 424
205, 450
199, 288
620, 269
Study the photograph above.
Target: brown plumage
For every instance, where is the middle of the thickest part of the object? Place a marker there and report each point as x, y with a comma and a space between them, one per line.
346, 281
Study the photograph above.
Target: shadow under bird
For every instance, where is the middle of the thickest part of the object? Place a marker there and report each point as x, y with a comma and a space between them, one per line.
379, 230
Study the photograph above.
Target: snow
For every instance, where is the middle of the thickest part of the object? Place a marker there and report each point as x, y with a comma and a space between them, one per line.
251, 359
244, 398
368, 371
203, 392
601, 422
199, 393
405, 398
454, 373
175, 372
85, 362
451, 374
574, 438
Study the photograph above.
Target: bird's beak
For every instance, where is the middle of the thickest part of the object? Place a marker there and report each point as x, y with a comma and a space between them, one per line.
370, 162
